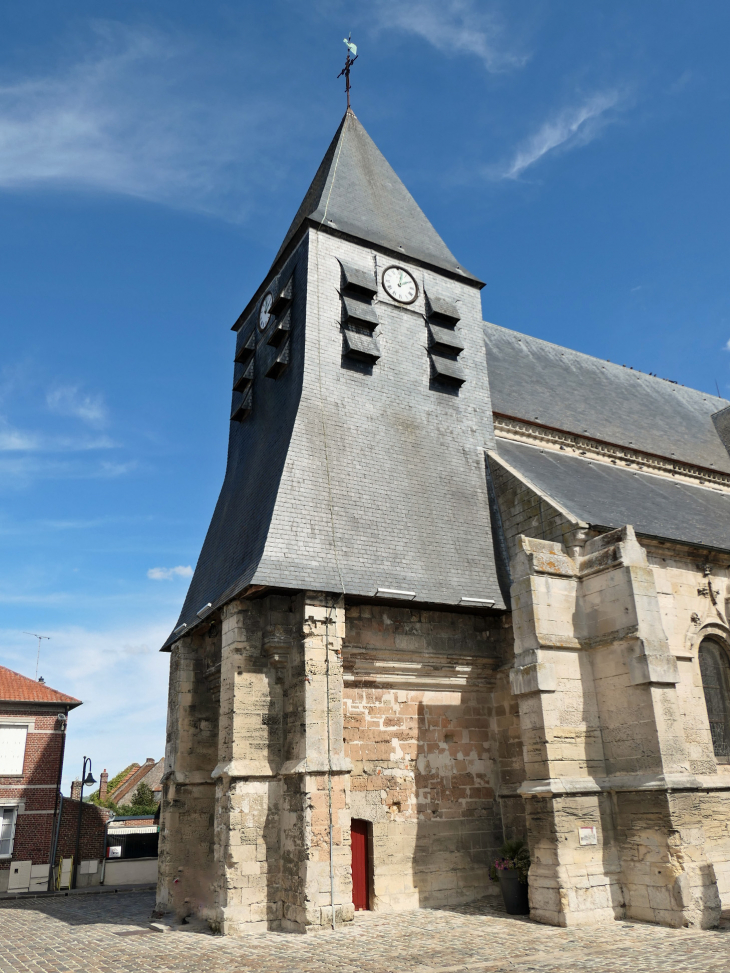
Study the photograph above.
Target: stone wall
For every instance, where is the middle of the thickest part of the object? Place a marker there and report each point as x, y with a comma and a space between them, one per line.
605, 696
186, 879
524, 511
584, 728
418, 713
419, 744
246, 810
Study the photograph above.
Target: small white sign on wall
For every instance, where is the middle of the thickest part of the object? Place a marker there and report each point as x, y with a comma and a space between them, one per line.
588, 836
114, 851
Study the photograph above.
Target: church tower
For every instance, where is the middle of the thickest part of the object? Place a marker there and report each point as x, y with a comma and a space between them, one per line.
356, 488
360, 713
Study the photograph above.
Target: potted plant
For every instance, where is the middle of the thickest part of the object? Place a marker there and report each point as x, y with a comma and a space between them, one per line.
510, 870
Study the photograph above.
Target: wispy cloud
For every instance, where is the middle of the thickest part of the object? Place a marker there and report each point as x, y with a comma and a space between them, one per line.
167, 574
454, 27
569, 128
18, 470
67, 400
129, 118
13, 440
16, 440
727, 346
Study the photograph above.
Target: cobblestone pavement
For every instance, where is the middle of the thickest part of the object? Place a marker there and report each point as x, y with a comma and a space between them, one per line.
109, 934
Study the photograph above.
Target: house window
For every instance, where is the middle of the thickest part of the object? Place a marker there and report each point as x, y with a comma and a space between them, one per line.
7, 830
12, 749
715, 671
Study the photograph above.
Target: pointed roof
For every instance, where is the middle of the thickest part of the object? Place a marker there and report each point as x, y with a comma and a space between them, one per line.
20, 689
355, 191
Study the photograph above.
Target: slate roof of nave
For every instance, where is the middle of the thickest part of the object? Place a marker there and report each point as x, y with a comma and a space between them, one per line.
606, 496
537, 381
356, 191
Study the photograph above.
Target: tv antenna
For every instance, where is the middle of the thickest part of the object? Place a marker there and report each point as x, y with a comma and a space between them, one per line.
349, 61
38, 657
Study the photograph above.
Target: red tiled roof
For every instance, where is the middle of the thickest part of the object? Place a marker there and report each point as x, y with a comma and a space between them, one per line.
131, 780
20, 689
131, 771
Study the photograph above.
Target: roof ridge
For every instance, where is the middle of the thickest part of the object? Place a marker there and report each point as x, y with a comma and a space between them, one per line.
369, 202
606, 361
129, 781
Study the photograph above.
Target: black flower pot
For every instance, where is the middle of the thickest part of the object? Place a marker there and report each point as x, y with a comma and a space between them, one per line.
514, 892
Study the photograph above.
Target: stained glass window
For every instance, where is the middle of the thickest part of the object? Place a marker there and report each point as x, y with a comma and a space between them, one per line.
715, 671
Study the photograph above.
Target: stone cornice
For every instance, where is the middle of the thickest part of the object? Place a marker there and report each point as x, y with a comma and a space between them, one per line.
508, 427
365, 668
562, 786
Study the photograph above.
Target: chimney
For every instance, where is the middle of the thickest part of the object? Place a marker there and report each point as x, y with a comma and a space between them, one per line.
103, 779
76, 790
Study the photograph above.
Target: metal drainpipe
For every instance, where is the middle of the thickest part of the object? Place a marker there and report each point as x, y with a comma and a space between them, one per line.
54, 849
329, 768
103, 857
55, 826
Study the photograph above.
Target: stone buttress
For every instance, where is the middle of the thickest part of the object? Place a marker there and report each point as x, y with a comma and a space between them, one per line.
612, 806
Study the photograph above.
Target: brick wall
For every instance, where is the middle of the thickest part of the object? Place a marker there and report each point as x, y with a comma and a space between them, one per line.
36, 789
93, 821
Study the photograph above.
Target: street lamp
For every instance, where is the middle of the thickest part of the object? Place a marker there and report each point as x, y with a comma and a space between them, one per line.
86, 778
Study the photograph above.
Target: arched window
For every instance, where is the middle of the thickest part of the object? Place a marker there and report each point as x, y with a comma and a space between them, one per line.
715, 671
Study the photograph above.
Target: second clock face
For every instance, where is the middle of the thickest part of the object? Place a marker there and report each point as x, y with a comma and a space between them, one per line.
400, 285
265, 312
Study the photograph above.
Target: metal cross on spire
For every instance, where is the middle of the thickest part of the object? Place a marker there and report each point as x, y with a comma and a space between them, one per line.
352, 56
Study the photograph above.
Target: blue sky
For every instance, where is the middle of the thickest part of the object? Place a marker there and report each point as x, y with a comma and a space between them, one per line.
572, 155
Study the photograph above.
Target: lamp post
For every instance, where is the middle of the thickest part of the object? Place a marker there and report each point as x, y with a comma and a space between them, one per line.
85, 779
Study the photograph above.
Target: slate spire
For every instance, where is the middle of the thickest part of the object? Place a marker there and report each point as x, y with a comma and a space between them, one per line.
357, 192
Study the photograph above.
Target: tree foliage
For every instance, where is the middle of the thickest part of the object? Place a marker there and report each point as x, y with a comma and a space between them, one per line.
93, 798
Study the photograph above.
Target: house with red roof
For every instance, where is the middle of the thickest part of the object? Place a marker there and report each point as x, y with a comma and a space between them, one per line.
33, 719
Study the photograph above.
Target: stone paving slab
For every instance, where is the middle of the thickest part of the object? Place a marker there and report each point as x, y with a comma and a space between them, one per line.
110, 934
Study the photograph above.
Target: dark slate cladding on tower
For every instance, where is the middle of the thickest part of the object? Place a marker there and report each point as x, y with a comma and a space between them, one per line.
257, 451
346, 472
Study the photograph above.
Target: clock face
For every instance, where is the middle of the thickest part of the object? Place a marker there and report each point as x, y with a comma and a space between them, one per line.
400, 285
265, 312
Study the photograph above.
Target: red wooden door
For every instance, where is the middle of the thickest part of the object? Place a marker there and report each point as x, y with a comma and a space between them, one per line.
360, 864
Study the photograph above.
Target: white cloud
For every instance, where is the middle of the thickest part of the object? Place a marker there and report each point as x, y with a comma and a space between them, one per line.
16, 440
121, 679
453, 27
26, 456
129, 118
166, 574
18, 470
568, 129
109, 469
67, 400
727, 346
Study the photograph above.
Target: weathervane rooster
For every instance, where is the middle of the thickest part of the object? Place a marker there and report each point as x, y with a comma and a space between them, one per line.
352, 56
